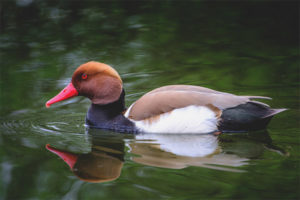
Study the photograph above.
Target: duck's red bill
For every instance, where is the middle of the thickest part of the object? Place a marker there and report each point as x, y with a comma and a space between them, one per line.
68, 92
68, 157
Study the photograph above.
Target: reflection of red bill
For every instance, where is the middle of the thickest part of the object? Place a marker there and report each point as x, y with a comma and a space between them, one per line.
69, 158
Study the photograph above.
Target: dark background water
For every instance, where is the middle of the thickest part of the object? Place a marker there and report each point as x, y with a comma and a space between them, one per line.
246, 48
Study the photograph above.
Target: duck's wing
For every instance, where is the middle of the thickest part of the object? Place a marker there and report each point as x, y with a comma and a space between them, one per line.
190, 88
168, 98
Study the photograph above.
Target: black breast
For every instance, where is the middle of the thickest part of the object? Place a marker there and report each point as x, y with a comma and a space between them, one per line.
109, 116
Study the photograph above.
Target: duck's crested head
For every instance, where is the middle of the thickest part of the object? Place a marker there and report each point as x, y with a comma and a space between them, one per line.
92, 68
98, 81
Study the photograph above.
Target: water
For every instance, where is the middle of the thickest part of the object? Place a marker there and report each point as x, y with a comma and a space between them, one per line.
249, 48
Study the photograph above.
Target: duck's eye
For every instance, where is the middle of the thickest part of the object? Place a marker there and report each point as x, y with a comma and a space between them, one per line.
84, 76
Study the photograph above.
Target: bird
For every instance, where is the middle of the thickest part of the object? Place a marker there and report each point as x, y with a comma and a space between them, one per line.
178, 109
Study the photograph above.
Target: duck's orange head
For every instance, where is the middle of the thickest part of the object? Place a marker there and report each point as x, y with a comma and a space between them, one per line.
97, 81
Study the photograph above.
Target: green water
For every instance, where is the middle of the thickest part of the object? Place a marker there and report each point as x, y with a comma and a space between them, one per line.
246, 48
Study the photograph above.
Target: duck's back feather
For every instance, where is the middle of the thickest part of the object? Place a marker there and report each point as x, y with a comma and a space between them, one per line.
169, 98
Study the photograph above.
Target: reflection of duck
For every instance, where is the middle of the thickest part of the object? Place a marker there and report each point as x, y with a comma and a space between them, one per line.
169, 109
180, 151
209, 151
105, 161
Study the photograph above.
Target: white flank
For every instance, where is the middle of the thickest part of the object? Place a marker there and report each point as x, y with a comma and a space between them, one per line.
190, 119
128, 111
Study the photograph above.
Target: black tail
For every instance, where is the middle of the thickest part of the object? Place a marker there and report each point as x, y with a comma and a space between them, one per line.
247, 117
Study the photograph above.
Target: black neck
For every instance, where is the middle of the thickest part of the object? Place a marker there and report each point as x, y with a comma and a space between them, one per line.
108, 111
110, 116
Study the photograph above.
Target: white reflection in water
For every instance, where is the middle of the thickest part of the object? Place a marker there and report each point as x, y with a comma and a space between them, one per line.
180, 151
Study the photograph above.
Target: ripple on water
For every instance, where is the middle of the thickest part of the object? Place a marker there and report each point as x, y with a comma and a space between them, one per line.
41, 122
35, 129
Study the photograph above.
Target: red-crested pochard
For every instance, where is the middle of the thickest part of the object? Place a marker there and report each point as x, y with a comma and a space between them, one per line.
168, 109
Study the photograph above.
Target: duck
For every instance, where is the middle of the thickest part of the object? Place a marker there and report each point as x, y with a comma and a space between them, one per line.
181, 109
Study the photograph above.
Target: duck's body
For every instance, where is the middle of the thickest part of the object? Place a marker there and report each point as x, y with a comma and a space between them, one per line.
169, 109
